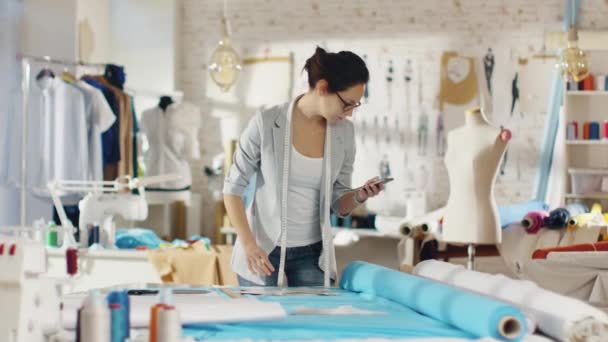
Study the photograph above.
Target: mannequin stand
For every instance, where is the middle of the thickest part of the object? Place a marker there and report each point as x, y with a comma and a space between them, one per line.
471, 257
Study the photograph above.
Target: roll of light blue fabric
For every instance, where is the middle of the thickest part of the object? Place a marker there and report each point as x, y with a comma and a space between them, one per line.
516, 212
473, 313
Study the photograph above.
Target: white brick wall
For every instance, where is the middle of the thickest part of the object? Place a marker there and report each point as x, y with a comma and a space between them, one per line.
384, 29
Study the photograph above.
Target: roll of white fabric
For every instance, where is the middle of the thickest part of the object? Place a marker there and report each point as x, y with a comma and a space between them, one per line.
561, 317
410, 226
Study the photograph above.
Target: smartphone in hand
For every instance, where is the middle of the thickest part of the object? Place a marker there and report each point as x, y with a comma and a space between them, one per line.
379, 181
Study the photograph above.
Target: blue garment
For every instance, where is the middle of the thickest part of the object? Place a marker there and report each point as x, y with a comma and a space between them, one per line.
137, 237
109, 139
301, 266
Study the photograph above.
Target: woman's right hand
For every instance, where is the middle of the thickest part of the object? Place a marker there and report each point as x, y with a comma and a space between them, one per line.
257, 260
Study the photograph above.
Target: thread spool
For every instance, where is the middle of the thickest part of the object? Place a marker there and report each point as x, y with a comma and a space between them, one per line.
586, 131
93, 234
600, 81
406, 230
118, 317
571, 131
533, 221
606, 83
509, 327
594, 130
122, 327
71, 258
558, 218
169, 328
51, 237
605, 129
572, 223
95, 319
425, 228
589, 83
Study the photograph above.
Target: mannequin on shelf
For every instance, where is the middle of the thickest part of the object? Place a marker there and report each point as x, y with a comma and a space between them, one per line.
164, 102
171, 130
472, 159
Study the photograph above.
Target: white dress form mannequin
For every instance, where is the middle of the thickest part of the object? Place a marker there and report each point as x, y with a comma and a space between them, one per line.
472, 159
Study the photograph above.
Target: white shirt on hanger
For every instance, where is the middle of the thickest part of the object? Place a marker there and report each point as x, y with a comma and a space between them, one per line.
56, 136
99, 119
172, 137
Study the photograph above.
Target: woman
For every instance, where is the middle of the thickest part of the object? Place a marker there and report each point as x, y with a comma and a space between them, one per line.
301, 154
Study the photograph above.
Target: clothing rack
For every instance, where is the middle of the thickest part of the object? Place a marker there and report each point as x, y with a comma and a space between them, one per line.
26, 61
48, 59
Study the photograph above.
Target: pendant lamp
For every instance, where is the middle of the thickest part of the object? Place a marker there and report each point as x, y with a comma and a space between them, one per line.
572, 61
225, 64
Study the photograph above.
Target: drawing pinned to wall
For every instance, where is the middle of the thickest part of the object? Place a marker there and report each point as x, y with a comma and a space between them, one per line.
376, 138
488, 65
514, 93
386, 130
423, 132
399, 132
389, 84
458, 81
385, 167
407, 77
421, 181
440, 135
423, 120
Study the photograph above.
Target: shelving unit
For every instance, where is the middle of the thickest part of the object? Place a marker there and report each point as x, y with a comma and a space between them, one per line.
583, 106
587, 93
587, 142
589, 196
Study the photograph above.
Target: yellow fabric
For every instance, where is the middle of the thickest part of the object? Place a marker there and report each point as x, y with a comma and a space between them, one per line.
195, 265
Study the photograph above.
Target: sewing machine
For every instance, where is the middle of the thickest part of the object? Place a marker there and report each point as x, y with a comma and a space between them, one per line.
30, 304
99, 209
104, 200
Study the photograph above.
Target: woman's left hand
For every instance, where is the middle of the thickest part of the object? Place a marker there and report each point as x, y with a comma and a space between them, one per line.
370, 189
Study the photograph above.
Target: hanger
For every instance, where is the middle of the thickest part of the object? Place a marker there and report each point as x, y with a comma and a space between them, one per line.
46, 70
67, 76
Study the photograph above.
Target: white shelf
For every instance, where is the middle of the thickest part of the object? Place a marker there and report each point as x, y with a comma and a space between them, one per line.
596, 196
587, 92
587, 142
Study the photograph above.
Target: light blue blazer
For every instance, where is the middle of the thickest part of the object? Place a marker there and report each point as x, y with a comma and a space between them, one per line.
261, 152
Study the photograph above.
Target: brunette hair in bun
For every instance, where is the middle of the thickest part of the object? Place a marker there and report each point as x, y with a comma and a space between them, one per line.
341, 70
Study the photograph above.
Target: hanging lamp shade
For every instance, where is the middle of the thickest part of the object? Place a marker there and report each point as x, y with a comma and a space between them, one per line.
572, 61
225, 64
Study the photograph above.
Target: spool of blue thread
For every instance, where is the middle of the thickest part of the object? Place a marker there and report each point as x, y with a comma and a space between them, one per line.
117, 317
605, 83
333, 218
122, 327
594, 130
347, 221
93, 231
571, 131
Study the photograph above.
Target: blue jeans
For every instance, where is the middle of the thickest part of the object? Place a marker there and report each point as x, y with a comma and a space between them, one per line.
301, 266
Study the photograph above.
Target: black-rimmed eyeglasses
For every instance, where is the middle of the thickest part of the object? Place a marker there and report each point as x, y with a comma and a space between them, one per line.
348, 106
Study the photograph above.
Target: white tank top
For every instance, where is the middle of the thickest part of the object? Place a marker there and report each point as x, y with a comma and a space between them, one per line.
303, 197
